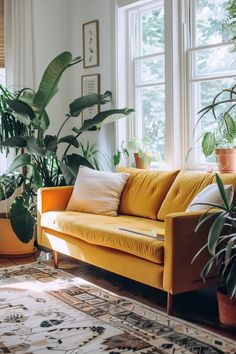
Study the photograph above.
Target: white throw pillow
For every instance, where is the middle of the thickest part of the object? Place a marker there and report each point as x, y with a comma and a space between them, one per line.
97, 192
210, 194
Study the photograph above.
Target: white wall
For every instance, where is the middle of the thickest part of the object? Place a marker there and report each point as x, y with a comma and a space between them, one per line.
58, 27
51, 19
83, 11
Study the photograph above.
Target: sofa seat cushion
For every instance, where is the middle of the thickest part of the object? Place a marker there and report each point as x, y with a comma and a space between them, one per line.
145, 191
104, 231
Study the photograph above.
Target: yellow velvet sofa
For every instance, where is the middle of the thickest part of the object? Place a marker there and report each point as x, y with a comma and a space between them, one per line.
151, 202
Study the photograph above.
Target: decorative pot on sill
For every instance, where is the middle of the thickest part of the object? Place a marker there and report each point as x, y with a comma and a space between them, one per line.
10, 245
226, 160
142, 162
227, 309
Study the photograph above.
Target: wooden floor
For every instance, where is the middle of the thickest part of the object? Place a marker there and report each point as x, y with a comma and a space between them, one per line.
199, 307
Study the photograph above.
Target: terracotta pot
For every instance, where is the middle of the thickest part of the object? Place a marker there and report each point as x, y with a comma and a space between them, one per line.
226, 160
140, 163
10, 245
227, 309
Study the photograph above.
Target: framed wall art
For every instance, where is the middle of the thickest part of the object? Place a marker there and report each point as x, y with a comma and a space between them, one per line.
91, 44
90, 84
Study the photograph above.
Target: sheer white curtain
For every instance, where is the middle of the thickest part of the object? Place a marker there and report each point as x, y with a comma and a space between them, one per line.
19, 48
19, 52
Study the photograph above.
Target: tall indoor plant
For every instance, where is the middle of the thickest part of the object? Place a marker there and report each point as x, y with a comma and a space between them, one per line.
221, 245
38, 151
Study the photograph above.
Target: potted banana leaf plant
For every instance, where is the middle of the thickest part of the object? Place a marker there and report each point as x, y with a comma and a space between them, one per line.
37, 151
221, 245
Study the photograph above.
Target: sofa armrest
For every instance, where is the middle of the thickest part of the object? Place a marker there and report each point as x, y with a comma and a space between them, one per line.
180, 246
53, 198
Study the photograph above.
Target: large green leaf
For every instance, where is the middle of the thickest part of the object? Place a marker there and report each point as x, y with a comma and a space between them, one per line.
102, 118
27, 95
20, 161
49, 84
16, 141
74, 161
21, 107
215, 232
50, 142
37, 179
222, 191
34, 148
8, 184
68, 174
227, 127
79, 104
22, 219
69, 139
208, 143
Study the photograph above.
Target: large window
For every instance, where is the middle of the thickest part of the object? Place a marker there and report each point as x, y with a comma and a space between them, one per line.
212, 65
146, 53
178, 57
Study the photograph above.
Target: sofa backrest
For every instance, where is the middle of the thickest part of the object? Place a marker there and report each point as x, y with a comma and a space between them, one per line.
185, 187
145, 191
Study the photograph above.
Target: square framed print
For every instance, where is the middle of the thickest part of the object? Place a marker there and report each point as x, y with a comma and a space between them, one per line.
90, 84
91, 44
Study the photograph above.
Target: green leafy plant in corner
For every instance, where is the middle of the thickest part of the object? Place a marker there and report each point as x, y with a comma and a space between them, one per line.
23, 126
221, 242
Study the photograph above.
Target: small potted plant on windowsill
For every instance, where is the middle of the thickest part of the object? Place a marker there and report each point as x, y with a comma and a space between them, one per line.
142, 156
220, 140
221, 245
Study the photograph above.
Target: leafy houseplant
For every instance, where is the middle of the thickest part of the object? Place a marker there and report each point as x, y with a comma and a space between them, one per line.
221, 139
221, 245
36, 151
142, 157
117, 156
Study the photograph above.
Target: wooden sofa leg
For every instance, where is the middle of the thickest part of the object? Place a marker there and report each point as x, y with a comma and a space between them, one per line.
170, 301
55, 258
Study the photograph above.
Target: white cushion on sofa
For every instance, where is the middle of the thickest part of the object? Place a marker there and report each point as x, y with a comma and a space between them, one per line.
210, 194
97, 192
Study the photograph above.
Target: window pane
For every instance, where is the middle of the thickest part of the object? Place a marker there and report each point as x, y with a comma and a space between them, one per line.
153, 118
210, 15
215, 60
151, 70
152, 31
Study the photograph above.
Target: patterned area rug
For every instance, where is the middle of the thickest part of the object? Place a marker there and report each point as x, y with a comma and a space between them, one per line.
43, 310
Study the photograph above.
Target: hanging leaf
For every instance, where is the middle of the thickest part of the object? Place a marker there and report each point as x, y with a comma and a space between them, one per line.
16, 141
227, 127
102, 118
81, 103
50, 142
48, 86
21, 107
69, 139
208, 143
34, 148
